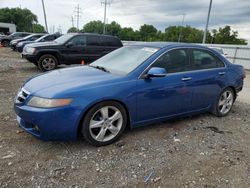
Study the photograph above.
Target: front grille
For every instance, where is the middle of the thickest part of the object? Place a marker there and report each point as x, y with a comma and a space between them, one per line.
22, 95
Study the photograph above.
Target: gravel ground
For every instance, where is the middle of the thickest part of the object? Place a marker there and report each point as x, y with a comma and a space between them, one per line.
201, 151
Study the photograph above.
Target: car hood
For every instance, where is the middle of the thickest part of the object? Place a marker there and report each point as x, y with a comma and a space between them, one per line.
16, 40
59, 83
44, 44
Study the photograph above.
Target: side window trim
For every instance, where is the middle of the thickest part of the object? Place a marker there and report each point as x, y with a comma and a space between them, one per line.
187, 60
189, 51
169, 50
208, 52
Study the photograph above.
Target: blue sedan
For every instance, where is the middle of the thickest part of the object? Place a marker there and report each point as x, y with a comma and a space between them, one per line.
133, 86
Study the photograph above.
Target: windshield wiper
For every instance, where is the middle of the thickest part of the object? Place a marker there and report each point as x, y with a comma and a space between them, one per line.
100, 68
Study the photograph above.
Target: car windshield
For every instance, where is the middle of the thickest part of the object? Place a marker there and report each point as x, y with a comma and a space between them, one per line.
124, 60
29, 36
41, 38
63, 38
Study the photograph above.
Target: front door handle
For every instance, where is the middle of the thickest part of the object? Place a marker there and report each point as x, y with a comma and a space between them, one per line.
222, 73
186, 78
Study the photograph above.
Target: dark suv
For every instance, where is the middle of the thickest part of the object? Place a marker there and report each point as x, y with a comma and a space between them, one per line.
5, 41
70, 49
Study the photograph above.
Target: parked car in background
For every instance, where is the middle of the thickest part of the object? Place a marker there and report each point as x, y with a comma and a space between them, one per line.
31, 37
5, 41
70, 49
45, 38
130, 87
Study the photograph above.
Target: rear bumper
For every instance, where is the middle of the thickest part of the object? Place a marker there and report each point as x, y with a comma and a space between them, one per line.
57, 124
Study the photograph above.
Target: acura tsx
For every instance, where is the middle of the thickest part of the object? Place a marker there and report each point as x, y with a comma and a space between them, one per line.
132, 86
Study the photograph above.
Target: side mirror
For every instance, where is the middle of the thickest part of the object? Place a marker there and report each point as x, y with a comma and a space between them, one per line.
69, 45
156, 72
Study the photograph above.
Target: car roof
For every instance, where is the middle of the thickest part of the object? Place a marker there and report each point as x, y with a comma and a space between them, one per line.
93, 34
165, 44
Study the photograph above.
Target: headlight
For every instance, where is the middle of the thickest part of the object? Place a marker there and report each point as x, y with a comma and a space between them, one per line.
30, 50
19, 44
48, 103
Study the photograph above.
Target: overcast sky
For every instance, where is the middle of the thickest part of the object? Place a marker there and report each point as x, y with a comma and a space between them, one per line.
134, 13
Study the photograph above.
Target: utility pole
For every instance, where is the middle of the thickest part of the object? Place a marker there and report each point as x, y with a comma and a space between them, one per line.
78, 11
72, 21
208, 16
182, 23
105, 2
45, 19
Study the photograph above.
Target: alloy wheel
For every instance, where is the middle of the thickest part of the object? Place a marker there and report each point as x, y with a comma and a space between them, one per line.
226, 101
48, 64
106, 123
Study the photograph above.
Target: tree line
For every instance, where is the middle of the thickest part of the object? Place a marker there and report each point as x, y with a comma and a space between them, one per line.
27, 21
188, 34
24, 19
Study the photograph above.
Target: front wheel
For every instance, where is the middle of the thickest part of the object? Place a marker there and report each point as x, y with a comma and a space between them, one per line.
6, 43
47, 63
104, 123
224, 103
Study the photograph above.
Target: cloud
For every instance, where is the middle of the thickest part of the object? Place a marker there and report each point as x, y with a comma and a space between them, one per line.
134, 13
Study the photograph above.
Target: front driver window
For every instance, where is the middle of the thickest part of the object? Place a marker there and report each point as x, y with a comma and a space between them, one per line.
173, 61
79, 41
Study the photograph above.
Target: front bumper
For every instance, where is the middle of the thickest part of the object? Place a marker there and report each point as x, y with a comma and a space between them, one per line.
30, 58
55, 124
19, 49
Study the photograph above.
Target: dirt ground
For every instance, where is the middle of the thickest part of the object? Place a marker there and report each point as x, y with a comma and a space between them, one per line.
201, 151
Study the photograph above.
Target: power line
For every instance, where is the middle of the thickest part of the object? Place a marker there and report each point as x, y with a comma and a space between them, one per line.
105, 2
208, 16
78, 12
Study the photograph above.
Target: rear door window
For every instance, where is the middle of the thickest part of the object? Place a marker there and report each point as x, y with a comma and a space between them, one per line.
202, 59
110, 41
93, 41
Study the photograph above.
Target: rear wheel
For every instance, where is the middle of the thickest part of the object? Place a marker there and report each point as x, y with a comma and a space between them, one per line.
47, 63
225, 102
104, 123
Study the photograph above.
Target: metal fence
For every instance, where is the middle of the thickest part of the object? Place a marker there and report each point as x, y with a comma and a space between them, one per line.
238, 54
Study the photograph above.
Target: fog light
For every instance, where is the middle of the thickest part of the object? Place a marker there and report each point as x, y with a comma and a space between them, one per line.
35, 127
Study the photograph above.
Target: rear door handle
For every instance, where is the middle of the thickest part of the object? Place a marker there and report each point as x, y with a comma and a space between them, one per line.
186, 78
222, 73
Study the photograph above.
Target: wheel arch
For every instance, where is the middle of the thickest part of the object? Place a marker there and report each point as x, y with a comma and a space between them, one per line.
234, 90
106, 100
53, 53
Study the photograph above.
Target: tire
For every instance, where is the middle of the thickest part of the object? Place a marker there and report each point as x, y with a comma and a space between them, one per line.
108, 120
47, 62
5, 43
224, 103
35, 63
